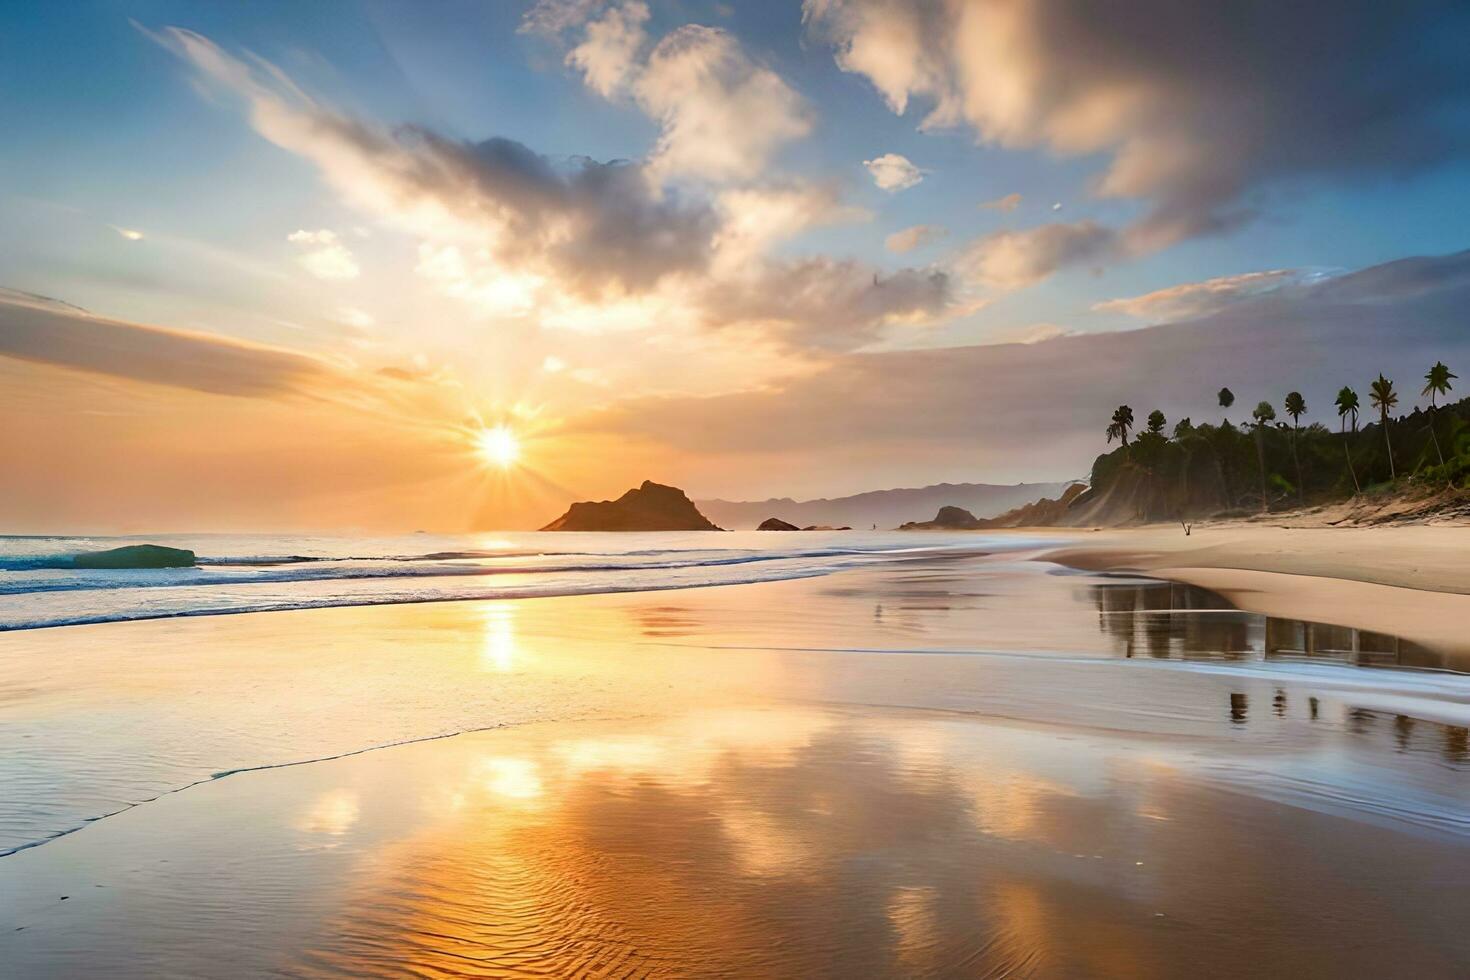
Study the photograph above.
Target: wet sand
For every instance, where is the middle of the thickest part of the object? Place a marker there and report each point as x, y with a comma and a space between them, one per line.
948, 767
1413, 582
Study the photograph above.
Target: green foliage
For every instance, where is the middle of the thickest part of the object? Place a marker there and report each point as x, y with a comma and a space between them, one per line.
1156, 422
1121, 423
1296, 406
1226, 397
1213, 468
1347, 406
1383, 397
1437, 382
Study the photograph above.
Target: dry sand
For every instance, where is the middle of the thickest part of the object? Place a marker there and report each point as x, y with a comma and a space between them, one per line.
1410, 581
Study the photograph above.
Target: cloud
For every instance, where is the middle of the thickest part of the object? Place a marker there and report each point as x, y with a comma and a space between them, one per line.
722, 115
834, 304
1033, 333
592, 227
1013, 259
44, 331
325, 256
894, 172
985, 403
350, 316
755, 219
553, 17
128, 233
1195, 105
1196, 298
583, 245
607, 57
1008, 203
911, 238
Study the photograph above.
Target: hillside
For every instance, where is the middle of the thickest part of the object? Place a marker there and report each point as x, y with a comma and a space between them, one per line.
885, 508
1360, 474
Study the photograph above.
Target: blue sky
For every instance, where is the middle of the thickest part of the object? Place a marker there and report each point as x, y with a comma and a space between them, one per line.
1149, 152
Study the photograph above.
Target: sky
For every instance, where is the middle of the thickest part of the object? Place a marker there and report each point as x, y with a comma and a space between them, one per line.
277, 266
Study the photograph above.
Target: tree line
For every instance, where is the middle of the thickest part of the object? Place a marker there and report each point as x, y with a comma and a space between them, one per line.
1195, 468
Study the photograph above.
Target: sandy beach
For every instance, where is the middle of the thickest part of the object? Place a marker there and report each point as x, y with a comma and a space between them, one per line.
944, 765
1409, 581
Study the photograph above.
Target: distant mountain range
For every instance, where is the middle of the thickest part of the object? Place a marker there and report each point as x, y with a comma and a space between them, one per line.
885, 508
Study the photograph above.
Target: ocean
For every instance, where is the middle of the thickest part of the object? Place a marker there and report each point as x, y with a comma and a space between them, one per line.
239, 573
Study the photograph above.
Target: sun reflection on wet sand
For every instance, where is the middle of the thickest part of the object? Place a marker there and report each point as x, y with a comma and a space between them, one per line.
748, 841
498, 653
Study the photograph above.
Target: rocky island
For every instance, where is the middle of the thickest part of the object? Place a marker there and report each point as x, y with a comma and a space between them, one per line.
650, 507
948, 519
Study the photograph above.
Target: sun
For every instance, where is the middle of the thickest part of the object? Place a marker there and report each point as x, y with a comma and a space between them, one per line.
498, 446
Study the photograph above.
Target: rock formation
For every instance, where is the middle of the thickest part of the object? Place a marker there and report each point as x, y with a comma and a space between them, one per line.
948, 519
1044, 513
776, 524
650, 507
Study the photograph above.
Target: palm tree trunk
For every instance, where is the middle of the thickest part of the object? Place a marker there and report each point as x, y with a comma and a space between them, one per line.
1435, 436
1348, 453
1392, 473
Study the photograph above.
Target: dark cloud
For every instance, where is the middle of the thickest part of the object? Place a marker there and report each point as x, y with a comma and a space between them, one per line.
600, 225
1198, 103
1041, 406
50, 332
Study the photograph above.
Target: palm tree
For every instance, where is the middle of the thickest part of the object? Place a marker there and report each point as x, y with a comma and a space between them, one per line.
1437, 382
1296, 407
1122, 422
1226, 398
1347, 404
1385, 399
1156, 422
1264, 414
1186, 438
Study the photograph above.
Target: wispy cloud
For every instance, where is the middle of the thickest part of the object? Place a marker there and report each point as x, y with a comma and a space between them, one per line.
1013, 259
324, 255
915, 237
46, 331
1197, 298
1008, 203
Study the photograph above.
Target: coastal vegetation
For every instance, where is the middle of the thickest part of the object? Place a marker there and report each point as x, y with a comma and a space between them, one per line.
1269, 463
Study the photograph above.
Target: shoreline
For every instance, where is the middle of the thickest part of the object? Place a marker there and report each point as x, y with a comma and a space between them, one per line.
1408, 581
